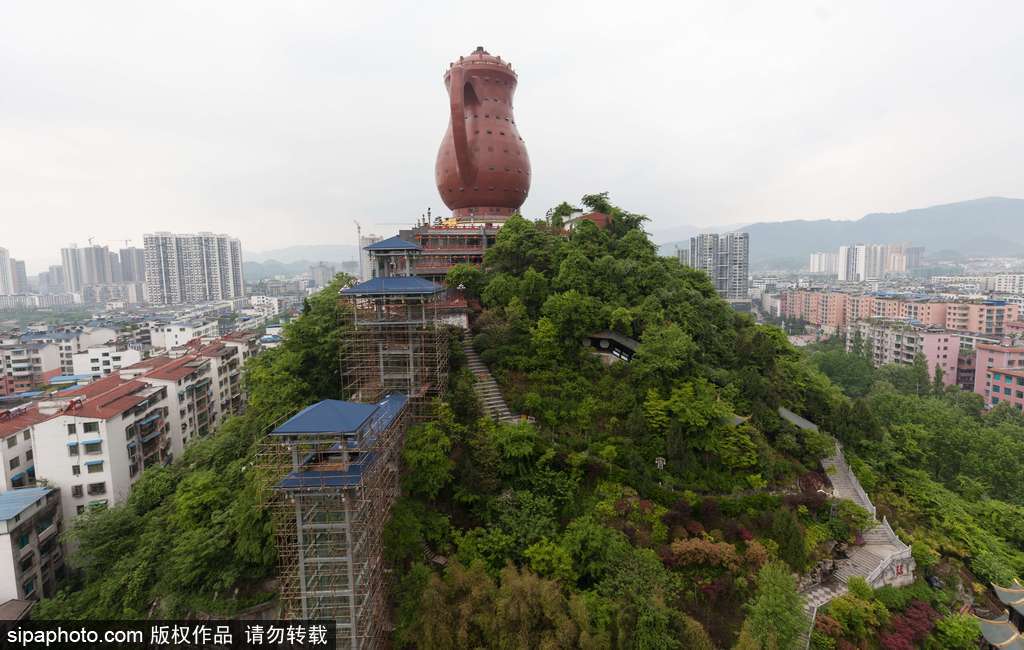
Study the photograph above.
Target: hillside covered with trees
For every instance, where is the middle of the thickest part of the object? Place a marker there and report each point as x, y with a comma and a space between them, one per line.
656, 503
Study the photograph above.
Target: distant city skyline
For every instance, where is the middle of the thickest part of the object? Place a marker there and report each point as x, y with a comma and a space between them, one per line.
282, 125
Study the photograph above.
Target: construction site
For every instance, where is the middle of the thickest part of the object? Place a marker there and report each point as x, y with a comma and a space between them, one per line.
334, 468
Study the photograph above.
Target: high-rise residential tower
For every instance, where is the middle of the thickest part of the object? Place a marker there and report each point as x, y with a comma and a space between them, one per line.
19, 278
133, 264
6, 279
192, 268
725, 258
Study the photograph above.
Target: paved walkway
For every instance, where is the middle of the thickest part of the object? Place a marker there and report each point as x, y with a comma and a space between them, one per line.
487, 390
872, 561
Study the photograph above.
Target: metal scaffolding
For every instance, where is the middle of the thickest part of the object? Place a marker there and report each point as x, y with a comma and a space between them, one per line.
332, 471
330, 506
396, 342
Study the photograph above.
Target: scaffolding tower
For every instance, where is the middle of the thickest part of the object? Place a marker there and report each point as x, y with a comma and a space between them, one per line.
339, 466
333, 469
397, 340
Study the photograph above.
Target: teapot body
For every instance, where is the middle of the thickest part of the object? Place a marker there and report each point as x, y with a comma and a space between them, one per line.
482, 169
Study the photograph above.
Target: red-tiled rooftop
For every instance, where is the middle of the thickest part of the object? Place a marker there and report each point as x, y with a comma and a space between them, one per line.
150, 363
95, 388
11, 425
177, 369
113, 402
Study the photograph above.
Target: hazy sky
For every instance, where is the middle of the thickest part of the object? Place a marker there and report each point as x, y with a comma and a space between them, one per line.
282, 122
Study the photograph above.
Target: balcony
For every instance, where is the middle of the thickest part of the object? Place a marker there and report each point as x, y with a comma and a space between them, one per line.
48, 531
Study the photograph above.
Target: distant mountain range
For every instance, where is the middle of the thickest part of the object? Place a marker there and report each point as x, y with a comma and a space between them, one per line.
294, 260
336, 253
991, 226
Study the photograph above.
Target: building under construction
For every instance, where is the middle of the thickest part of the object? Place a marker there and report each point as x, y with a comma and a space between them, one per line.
334, 467
341, 463
397, 341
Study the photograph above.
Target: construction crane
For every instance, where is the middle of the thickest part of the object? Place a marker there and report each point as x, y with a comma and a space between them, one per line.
359, 244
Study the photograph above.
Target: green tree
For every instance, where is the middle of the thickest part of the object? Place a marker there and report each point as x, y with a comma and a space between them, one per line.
468, 276
776, 616
426, 456
665, 354
958, 632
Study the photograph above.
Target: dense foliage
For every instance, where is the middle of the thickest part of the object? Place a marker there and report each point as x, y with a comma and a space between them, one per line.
655, 503
648, 501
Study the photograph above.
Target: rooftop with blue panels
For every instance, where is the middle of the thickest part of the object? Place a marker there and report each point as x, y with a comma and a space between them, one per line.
345, 435
15, 502
395, 243
400, 285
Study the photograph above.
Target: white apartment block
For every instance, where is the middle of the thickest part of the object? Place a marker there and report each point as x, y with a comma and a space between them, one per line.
17, 453
23, 366
168, 336
192, 268
266, 305
97, 439
103, 360
31, 555
71, 341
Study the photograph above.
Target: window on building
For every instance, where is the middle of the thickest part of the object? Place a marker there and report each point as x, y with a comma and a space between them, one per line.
80, 509
73, 449
76, 470
97, 488
1007, 391
29, 586
94, 447
95, 468
72, 428
13, 440
91, 427
27, 435
28, 455
23, 540
15, 462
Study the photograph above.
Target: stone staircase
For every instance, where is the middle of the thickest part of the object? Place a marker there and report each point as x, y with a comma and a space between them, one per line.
491, 399
883, 559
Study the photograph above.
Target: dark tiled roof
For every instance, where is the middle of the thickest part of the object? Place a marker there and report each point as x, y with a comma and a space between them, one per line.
407, 285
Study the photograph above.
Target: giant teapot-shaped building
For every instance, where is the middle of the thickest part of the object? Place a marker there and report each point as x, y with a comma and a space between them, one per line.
482, 170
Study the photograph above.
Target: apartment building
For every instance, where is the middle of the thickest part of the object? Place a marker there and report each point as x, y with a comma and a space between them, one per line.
997, 369
98, 438
17, 454
823, 309
203, 382
24, 366
187, 381
725, 258
166, 336
104, 359
31, 555
192, 268
1005, 385
899, 342
71, 341
986, 317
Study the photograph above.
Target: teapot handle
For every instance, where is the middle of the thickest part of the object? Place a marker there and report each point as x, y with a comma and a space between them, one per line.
457, 94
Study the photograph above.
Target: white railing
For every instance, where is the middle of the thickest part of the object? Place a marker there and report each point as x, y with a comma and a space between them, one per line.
893, 537
902, 554
862, 496
810, 630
